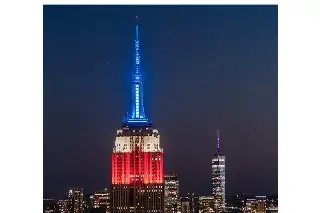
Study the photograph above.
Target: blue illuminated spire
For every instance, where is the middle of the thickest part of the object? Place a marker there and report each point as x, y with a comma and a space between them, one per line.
137, 115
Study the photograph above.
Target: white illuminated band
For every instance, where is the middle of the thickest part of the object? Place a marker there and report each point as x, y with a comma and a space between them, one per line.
137, 121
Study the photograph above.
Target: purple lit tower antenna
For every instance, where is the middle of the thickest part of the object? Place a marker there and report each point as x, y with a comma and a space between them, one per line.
218, 177
218, 142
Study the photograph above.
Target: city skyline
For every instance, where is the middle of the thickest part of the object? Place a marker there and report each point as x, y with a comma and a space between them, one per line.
77, 98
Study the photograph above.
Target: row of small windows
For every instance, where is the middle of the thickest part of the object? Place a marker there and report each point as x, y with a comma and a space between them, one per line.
136, 143
147, 187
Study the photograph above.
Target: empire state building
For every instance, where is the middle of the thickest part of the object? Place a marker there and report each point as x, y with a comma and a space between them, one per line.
137, 158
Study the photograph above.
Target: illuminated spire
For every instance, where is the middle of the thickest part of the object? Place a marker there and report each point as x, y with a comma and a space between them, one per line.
137, 115
218, 142
136, 45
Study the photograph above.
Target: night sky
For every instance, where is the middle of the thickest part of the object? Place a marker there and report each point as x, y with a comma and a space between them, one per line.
204, 67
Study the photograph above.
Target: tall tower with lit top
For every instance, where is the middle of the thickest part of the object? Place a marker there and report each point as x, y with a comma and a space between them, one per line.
219, 178
137, 158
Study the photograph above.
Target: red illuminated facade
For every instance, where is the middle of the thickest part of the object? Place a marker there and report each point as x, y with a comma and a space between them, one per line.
137, 171
134, 167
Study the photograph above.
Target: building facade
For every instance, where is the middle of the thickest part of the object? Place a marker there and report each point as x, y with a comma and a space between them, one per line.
219, 178
101, 200
62, 206
194, 202
75, 201
137, 158
241, 202
261, 204
252, 204
171, 185
185, 205
206, 204
49, 205
190, 204
272, 204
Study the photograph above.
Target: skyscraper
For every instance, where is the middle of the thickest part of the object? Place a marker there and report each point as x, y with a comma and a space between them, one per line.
101, 200
185, 205
63, 206
76, 202
190, 204
50, 205
206, 204
261, 206
251, 204
171, 185
218, 178
194, 202
241, 202
137, 158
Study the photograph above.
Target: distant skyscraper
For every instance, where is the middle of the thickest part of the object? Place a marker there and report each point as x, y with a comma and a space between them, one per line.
76, 201
192, 201
218, 179
241, 202
185, 205
101, 200
272, 204
261, 206
50, 205
206, 204
137, 158
171, 185
90, 202
63, 206
251, 204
